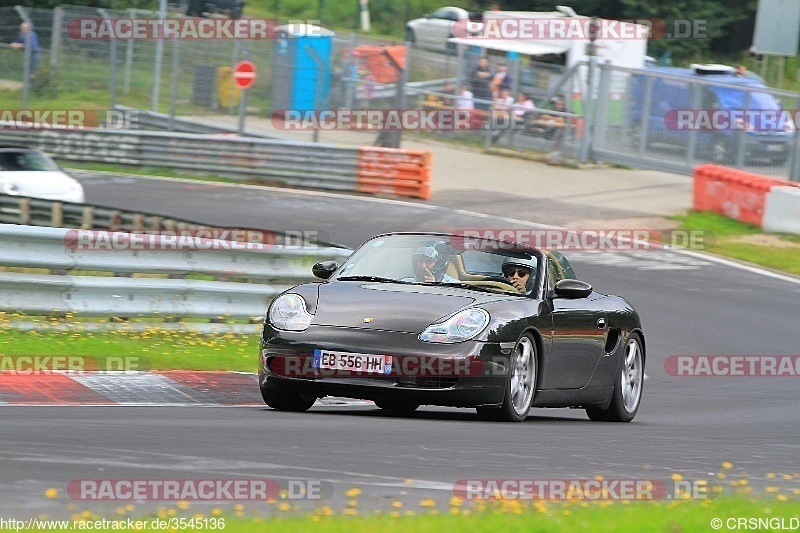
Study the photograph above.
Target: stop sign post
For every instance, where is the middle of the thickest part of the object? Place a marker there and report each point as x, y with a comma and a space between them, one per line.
245, 76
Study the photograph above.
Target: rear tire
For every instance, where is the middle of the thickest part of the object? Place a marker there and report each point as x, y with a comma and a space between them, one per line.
287, 401
627, 394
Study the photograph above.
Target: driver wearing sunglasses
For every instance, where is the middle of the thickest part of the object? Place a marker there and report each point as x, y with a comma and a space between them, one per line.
519, 272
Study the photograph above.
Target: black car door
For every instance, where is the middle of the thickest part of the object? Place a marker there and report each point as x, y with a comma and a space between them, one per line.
579, 334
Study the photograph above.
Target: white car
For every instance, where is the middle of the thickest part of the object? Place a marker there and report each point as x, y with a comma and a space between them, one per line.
28, 172
433, 30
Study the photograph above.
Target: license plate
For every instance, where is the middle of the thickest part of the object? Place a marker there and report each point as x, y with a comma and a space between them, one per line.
353, 362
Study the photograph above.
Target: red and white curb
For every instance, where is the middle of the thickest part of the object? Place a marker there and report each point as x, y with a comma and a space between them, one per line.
167, 388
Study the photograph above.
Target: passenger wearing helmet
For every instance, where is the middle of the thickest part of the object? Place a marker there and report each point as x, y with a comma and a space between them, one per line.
429, 266
520, 272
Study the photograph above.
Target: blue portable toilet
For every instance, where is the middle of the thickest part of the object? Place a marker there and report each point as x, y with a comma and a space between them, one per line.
296, 74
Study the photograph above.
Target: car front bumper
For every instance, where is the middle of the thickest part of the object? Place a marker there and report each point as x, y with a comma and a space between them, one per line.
467, 374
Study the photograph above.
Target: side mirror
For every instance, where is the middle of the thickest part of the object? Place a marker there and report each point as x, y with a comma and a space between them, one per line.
324, 269
428, 16
572, 288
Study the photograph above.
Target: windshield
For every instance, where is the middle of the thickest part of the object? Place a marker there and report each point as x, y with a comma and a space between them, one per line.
26, 161
435, 260
734, 99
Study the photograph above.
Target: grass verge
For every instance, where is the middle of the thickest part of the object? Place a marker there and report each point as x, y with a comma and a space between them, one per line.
153, 348
539, 516
731, 238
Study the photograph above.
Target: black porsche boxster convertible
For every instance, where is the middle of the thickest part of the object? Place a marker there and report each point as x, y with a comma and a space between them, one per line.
416, 319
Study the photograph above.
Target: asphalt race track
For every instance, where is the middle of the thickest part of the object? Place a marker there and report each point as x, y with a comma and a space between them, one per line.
690, 305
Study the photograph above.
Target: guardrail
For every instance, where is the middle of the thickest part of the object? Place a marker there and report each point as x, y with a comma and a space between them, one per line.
260, 272
39, 212
150, 120
390, 171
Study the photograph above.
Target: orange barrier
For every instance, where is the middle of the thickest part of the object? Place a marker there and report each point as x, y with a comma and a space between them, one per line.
378, 64
733, 193
394, 171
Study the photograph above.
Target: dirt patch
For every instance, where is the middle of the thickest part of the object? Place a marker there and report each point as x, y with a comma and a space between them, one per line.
11, 85
763, 239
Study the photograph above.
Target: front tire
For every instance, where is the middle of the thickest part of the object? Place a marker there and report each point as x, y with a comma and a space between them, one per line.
722, 150
520, 384
627, 394
287, 401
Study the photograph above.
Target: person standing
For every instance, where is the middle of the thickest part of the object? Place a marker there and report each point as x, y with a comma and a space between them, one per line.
464, 100
480, 79
26, 34
500, 81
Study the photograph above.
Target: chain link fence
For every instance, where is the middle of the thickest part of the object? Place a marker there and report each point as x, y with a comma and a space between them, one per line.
610, 114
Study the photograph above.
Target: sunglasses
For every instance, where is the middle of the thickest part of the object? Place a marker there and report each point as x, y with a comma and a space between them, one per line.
519, 272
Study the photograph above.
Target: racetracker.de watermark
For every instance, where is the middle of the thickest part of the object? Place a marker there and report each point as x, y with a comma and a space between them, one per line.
47, 364
504, 27
732, 365
732, 119
608, 240
374, 119
581, 489
189, 240
178, 28
198, 489
74, 119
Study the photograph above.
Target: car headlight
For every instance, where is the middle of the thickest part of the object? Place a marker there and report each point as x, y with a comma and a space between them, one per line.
10, 189
289, 312
458, 328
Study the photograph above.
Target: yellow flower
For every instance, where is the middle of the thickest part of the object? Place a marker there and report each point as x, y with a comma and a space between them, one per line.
51, 493
726, 465
677, 477
429, 502
352, 493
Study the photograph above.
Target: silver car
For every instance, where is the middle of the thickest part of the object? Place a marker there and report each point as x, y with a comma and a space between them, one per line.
28, 172
433, 30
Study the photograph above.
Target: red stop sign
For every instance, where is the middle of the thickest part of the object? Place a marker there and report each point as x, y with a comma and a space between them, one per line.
245, 74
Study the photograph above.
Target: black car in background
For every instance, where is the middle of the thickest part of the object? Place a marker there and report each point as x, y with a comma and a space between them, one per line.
202, 8
416, 319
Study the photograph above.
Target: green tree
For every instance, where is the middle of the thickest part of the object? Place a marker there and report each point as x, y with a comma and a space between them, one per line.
711, 22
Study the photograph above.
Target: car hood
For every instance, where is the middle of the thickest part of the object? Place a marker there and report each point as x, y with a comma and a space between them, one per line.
391, 306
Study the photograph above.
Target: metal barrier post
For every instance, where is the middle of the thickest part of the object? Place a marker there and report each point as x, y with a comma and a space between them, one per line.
601, 121
129, 58
162, 14
644, 124
588, 119
112, 58
55, 39
794, 163
173, 90
318, 94
691, 147
741, 137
